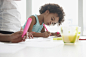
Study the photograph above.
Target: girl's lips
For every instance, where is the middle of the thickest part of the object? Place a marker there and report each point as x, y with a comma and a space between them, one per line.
48, 23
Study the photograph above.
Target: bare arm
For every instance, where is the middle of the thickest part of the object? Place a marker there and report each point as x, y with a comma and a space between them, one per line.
14, 37
31, 26
42, 34
55, 34
5, 37
43, 30
38, 34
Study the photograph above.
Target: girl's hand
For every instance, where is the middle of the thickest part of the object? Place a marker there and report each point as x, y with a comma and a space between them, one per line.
58, 35
46, 34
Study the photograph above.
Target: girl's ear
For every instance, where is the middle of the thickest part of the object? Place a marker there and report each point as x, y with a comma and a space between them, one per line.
47, 11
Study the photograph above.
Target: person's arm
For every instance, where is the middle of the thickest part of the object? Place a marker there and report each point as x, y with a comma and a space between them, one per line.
38, 34
5, 37
43, 30
43, 34
14, 37
31, 26
55, 34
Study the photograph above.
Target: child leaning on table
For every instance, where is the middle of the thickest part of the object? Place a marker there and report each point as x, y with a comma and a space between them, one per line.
49, 14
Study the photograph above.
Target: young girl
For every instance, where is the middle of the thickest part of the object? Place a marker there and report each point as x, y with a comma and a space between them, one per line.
49, 14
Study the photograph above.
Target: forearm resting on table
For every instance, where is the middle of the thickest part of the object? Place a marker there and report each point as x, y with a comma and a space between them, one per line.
38, 34
5, 37
52, 34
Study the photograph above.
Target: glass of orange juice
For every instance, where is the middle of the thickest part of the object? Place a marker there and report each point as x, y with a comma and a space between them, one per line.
69, 34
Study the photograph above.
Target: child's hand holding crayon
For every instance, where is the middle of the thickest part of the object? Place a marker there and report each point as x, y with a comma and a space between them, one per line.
46, 34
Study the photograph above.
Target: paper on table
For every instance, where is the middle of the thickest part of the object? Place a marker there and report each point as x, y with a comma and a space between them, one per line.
40, 39
43, 42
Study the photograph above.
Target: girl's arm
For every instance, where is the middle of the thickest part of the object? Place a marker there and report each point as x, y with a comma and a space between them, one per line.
55, 34
44, 34
31, 26
38, 34
43, 30
52, 34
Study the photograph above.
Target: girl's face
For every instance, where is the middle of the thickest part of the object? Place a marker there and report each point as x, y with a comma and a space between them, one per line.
51, 18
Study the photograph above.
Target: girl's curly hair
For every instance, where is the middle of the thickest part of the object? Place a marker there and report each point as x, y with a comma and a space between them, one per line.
53, 8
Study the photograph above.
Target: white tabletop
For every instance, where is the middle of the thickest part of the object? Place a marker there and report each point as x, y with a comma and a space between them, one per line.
43, 47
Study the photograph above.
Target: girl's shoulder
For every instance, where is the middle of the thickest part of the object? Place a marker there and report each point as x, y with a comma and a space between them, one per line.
33, 19
33, 16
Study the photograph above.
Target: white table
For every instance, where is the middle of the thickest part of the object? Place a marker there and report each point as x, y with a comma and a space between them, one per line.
43, 47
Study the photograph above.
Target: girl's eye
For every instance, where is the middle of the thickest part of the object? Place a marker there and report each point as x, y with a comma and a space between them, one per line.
52, 19
54, 23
